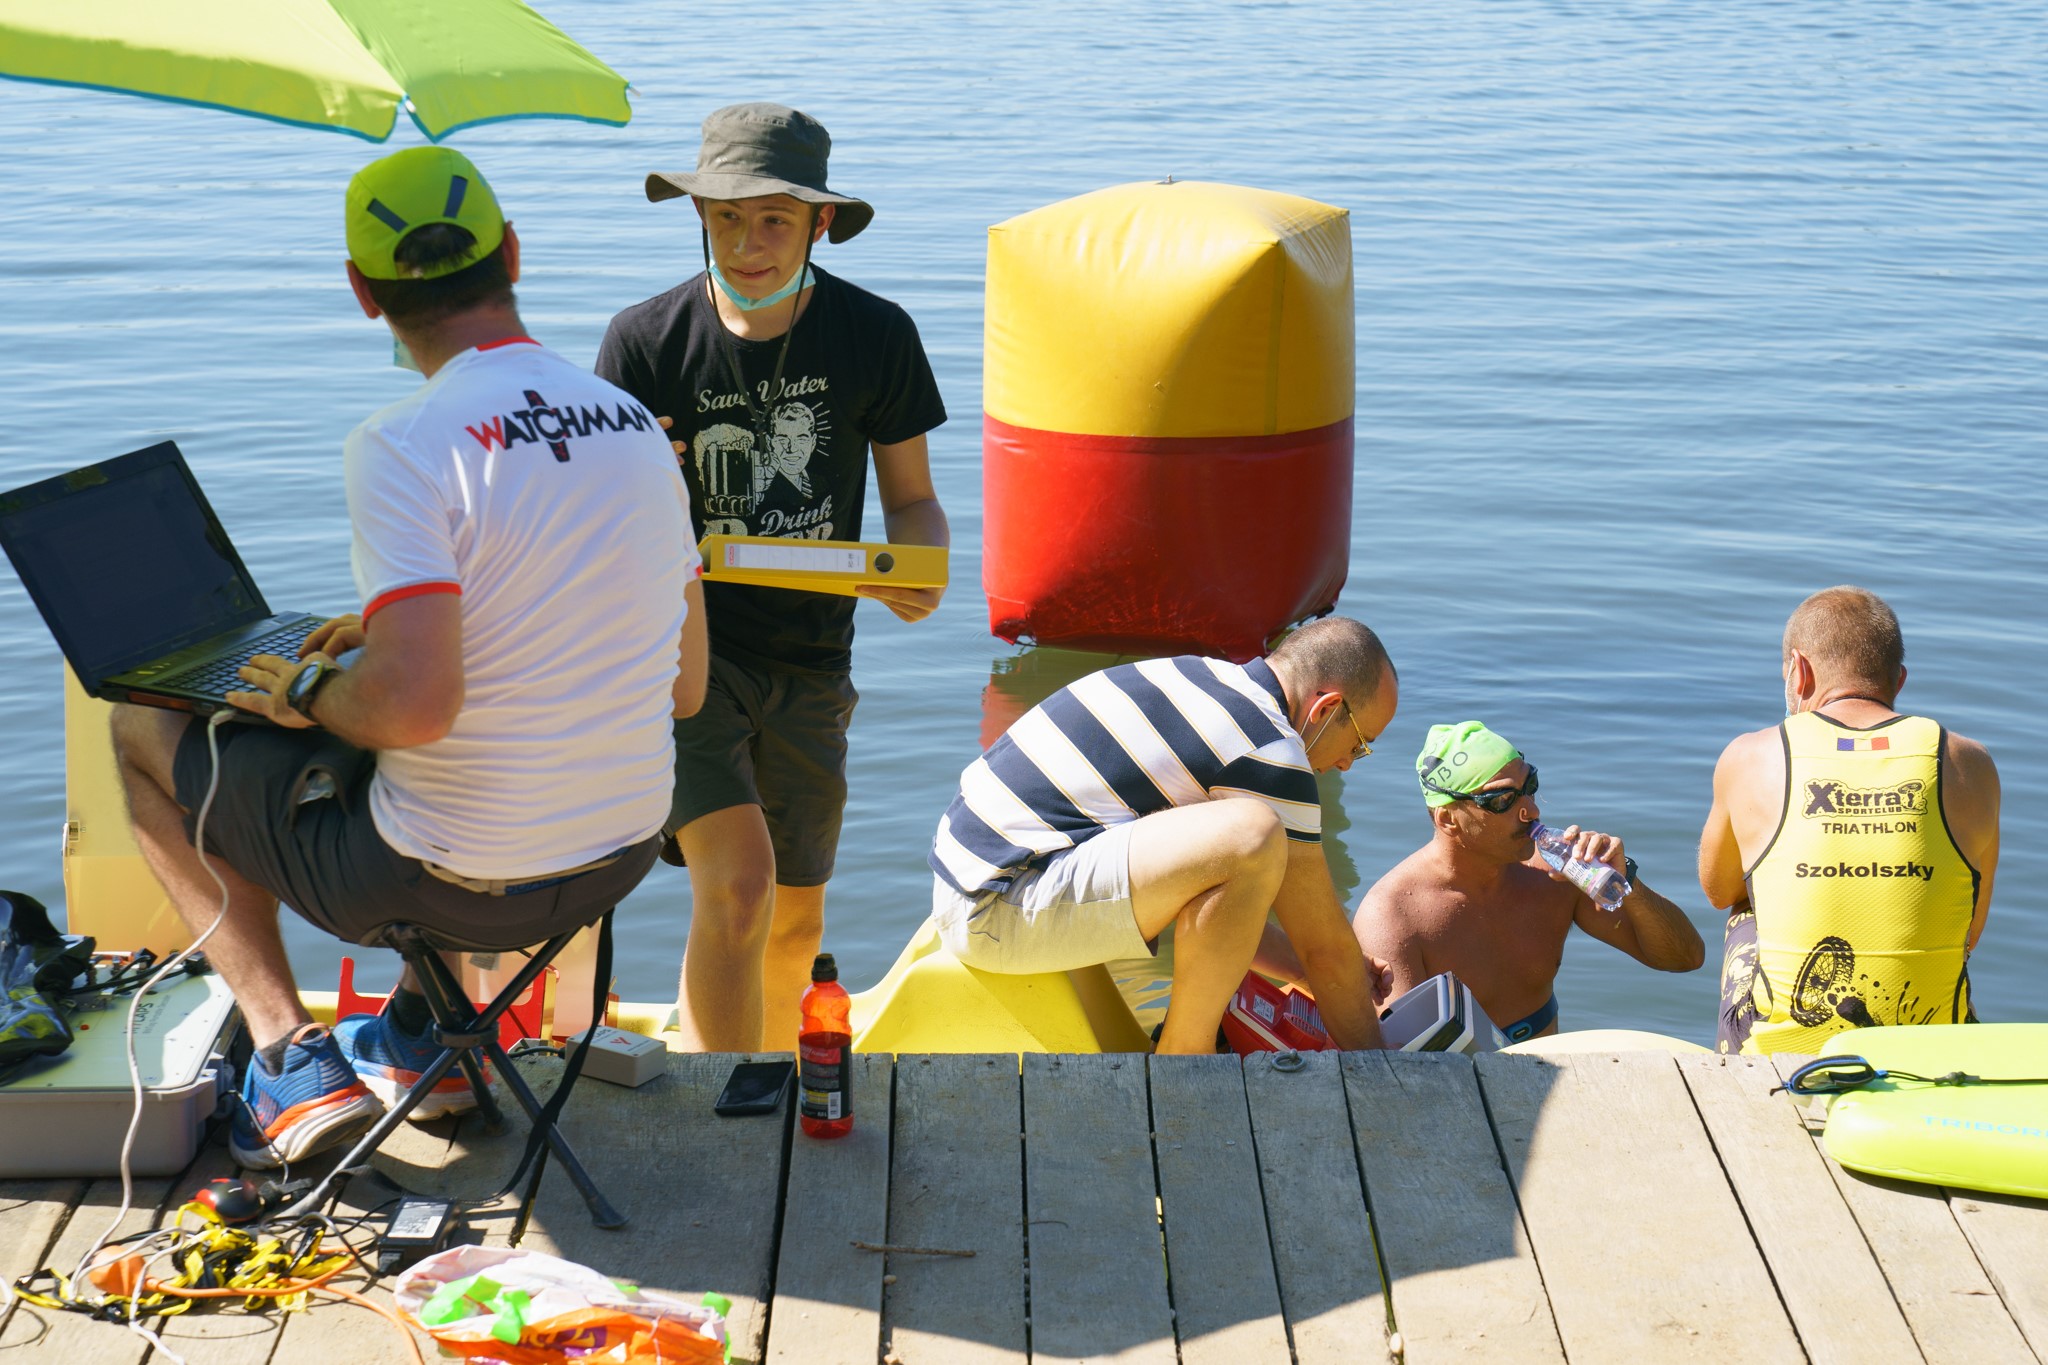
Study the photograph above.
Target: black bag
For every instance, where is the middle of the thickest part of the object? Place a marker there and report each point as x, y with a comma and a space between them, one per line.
36, 962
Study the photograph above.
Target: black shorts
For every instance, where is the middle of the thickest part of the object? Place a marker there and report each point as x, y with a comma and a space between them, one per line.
325, 859
773, 740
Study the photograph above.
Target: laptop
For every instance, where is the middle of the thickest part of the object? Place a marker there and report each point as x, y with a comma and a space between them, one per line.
142, 588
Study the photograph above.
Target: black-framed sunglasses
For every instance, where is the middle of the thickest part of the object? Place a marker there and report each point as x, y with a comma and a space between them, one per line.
1499, 802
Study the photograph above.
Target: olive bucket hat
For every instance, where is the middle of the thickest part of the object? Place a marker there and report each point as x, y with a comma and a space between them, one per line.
755, 149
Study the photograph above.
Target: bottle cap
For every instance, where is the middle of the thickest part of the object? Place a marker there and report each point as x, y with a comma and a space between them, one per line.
824, 969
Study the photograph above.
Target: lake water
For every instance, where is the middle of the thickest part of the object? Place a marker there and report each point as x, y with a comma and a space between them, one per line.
1667, 316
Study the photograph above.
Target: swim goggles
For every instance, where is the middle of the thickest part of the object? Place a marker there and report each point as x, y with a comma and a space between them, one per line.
1499, 802
1833, 1075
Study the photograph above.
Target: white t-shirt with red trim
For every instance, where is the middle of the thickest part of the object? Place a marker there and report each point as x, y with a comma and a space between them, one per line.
550, 501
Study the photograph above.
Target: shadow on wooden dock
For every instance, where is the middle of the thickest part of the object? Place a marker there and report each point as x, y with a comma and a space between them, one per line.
1591, 1208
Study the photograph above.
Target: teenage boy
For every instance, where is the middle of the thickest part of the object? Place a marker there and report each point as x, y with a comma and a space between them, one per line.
524, 610
775, 379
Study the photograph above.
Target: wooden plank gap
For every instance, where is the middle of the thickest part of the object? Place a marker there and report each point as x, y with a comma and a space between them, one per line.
828, 1292
1331, 1281
1462, 1272
1955, 1312
1098, 1266
1645, 1252
956, 1180
1219, 1259
1825, 1272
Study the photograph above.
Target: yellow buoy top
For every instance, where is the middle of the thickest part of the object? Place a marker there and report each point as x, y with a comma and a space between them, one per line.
1171, 309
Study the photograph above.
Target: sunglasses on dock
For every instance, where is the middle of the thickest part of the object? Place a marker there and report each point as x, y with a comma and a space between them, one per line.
1499, 802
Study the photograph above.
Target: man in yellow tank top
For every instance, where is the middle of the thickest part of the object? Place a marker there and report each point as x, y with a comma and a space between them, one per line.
1853, 846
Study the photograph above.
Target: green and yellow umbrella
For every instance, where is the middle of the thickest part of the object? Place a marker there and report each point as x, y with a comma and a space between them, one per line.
343, 64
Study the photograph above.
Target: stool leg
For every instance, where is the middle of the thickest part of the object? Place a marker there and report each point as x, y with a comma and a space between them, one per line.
383, 1128
602, 1211
487, 1108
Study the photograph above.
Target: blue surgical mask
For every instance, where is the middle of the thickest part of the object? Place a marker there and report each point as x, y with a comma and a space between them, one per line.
746, 305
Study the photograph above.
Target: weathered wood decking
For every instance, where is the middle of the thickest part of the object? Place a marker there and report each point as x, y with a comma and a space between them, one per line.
1627, 1208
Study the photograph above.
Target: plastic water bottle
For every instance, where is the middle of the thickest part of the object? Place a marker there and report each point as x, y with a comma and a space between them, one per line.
1604, 886
824, 1049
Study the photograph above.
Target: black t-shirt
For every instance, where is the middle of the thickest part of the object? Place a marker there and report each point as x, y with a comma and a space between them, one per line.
856, 373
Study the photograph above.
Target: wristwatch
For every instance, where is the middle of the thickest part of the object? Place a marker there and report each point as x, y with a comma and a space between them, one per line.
306, 684
1629, 869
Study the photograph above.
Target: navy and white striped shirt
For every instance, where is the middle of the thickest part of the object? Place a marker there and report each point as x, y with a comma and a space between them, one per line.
1121, 744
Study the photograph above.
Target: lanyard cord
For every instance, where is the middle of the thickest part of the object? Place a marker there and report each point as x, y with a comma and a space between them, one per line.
758, 413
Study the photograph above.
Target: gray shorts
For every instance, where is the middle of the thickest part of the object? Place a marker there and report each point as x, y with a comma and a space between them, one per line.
325, 859
777, 741
1072, 911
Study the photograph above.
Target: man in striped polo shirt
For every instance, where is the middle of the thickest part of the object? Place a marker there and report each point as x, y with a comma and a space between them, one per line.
1172, 792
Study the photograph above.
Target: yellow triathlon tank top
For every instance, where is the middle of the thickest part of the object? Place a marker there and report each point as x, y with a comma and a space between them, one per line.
1862, 899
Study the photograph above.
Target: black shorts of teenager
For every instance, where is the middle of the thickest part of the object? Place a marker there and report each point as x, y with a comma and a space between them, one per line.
774, 740
325, 859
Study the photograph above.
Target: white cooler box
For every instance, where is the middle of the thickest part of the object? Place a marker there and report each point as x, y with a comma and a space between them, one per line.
68, 1115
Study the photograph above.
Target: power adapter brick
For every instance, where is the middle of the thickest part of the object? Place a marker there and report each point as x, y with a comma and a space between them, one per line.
623, 1058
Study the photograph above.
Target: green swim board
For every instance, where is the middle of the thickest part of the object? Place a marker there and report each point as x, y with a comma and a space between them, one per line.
1972, 1136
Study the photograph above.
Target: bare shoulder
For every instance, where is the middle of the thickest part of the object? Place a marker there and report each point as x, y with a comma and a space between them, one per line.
1394, 898
1968, 754
1970, 788
1745, 750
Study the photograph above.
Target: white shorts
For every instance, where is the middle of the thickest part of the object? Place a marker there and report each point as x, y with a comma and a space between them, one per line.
1074, 911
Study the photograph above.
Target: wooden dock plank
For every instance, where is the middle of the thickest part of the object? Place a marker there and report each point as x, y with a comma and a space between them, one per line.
828, 1292
31, 1212
1321, 1236
1828, 1279
1643, 1248
2010, 1236
335, 1329
72, 1336
1462, 1274
956, 1182
1097, 1269
703, 1192
1219, 1261
1951, 1305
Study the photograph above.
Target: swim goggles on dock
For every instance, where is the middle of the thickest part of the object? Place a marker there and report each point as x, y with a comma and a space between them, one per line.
1833, 1075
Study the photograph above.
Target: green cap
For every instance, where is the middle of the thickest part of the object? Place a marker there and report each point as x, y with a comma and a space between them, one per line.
1460, 758
393, 195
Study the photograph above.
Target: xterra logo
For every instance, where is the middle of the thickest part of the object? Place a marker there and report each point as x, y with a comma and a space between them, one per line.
554, 426
1828, 798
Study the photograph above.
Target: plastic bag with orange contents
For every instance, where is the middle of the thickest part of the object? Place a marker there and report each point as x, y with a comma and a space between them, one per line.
495, 1304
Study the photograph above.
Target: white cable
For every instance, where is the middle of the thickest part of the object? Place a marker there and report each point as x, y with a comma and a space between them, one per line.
85, 1263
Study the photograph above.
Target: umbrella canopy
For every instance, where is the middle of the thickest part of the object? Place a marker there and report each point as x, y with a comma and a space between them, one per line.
343, 64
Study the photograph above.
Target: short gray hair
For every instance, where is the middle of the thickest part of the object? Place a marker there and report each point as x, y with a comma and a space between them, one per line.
1338, 652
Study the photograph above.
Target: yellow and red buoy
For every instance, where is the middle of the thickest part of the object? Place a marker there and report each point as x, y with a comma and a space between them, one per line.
1167, 429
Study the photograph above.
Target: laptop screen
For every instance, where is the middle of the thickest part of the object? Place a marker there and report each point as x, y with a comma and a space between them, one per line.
126, 561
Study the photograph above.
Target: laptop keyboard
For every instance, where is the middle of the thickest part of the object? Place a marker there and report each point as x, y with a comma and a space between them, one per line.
222, 675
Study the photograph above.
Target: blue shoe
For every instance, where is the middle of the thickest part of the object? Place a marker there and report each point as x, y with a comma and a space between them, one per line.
391, 1062
314, 1101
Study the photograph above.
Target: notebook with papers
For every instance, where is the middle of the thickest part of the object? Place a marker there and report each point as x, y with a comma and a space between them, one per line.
144, 592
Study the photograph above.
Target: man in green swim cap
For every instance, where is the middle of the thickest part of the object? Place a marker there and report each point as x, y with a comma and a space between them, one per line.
1478, 901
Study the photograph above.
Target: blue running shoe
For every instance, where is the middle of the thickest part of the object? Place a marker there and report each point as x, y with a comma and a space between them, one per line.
391, 1062
314, 1101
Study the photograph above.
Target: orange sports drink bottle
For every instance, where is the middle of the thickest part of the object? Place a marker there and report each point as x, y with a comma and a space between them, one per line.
824, 1048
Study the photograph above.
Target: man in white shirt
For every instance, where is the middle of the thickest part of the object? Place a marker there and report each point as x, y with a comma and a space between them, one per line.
527, 634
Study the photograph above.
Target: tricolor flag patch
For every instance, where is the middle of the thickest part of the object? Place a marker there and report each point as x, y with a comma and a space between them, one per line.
1877, 745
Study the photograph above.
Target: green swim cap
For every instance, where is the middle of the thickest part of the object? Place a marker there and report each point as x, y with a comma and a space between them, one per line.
1460, 758
393, 195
